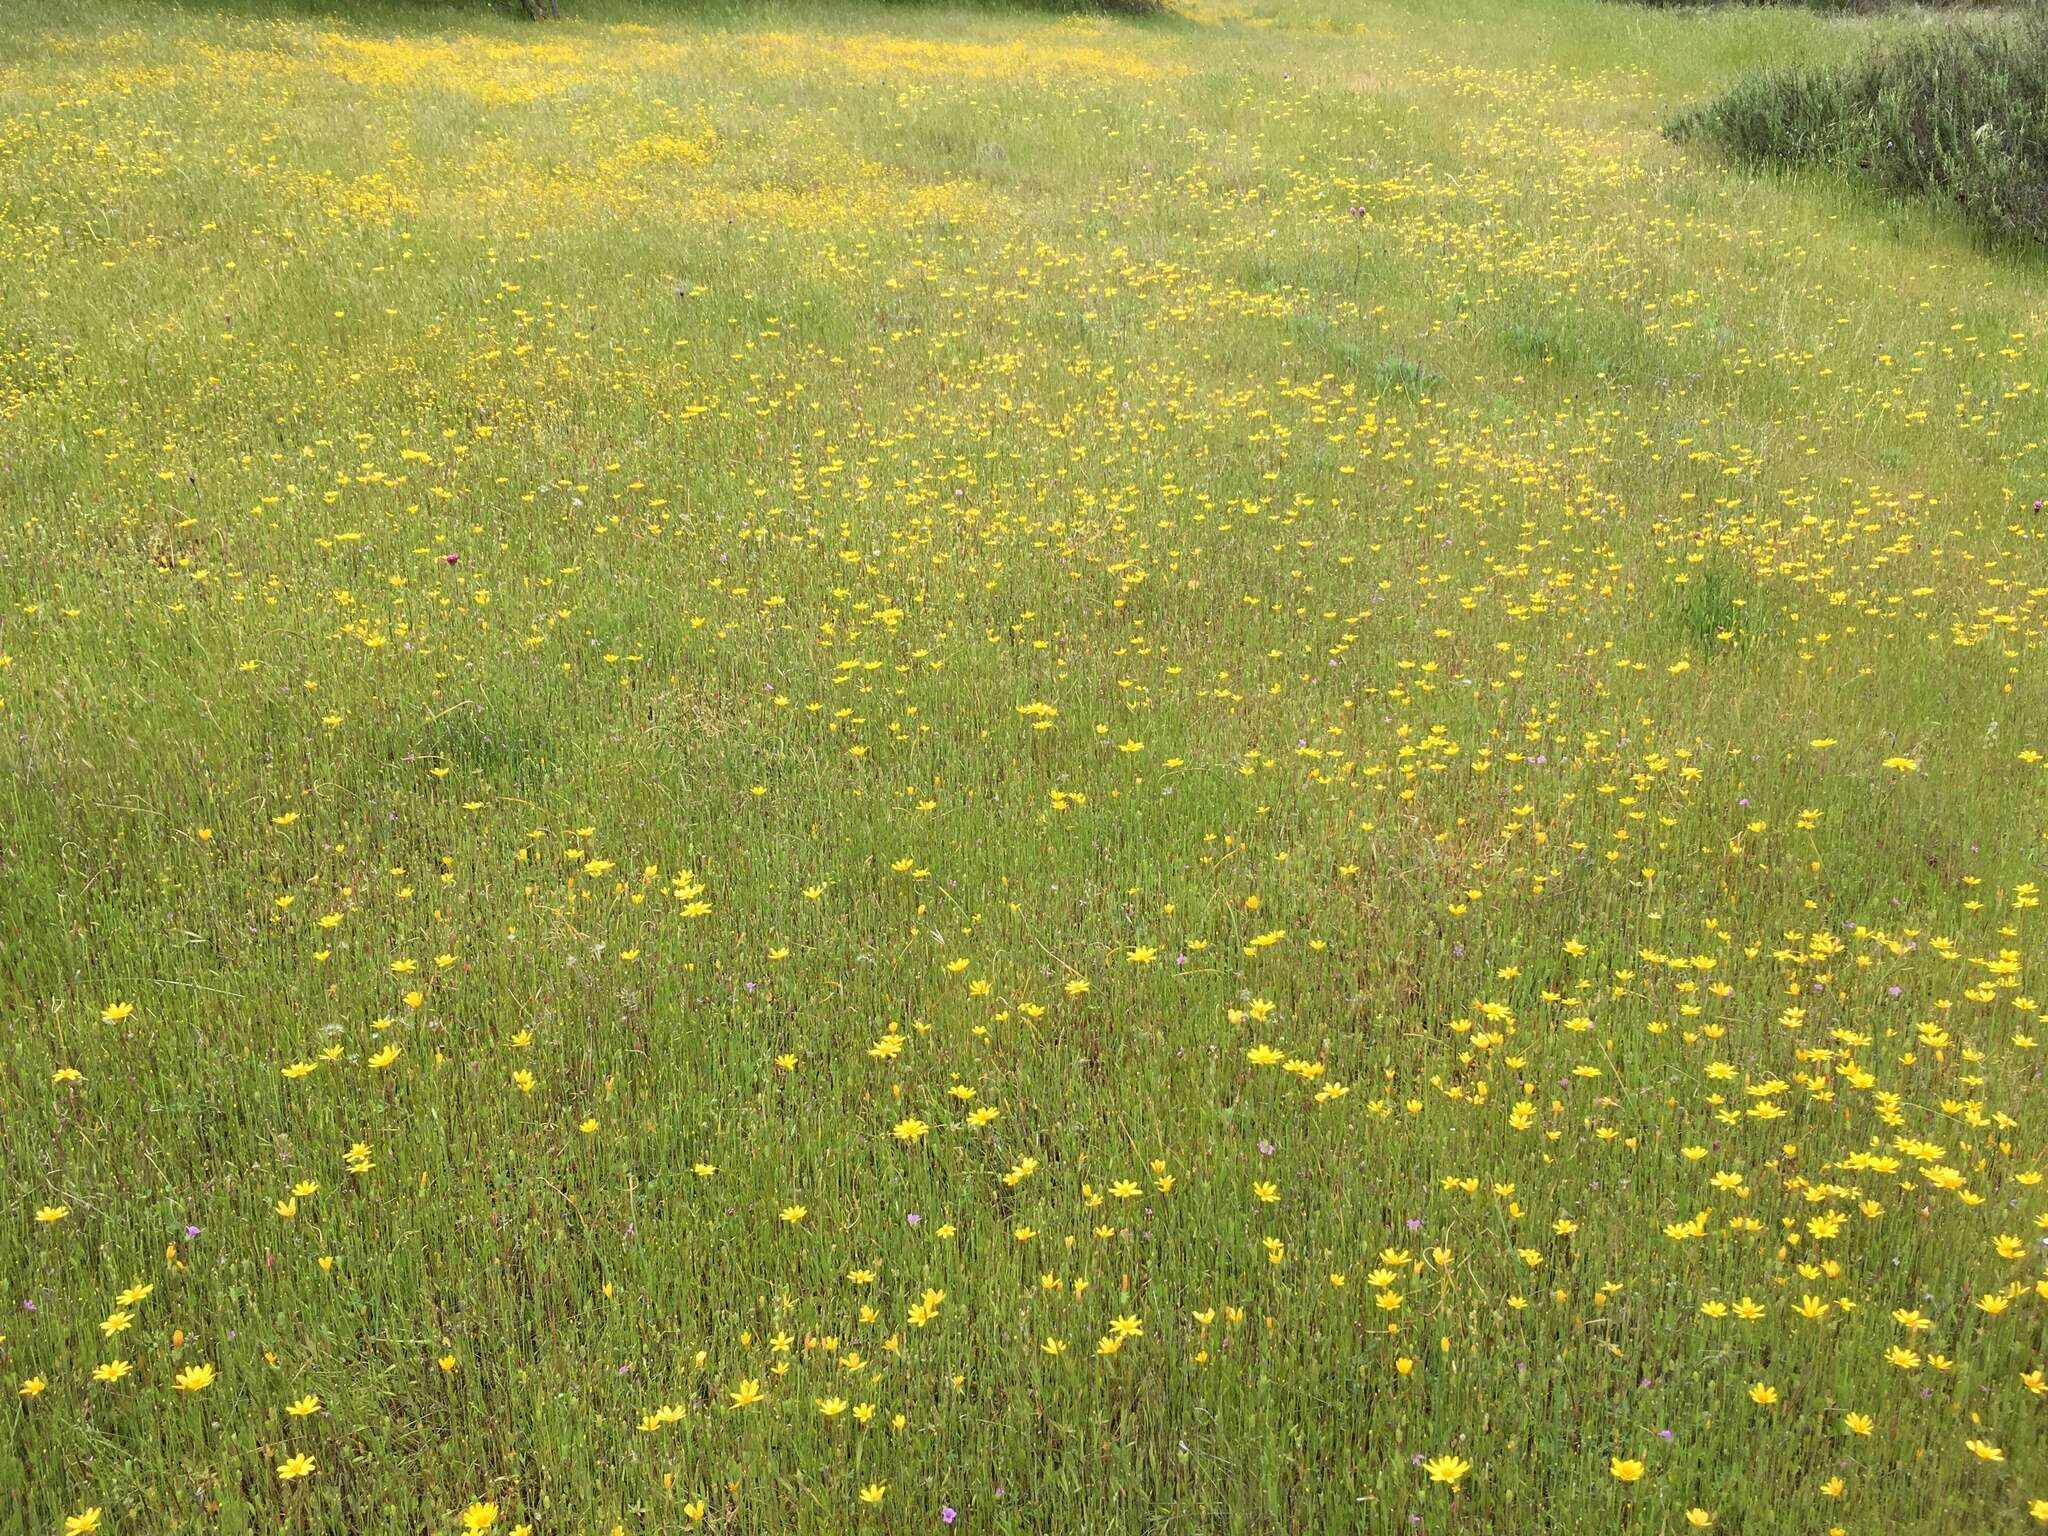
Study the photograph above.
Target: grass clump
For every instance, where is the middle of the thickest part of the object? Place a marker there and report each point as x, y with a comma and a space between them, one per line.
1710, 609
1959, 113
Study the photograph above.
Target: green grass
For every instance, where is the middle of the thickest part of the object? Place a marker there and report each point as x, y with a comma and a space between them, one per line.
625, 613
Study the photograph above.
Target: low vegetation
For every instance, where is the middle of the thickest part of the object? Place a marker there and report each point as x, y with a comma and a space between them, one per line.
1832, 7
1957, 112
904, 771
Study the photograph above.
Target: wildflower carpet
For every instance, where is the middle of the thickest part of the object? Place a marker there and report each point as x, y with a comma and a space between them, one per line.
864, 770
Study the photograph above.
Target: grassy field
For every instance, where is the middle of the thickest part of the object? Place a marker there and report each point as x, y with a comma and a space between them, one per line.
868, 769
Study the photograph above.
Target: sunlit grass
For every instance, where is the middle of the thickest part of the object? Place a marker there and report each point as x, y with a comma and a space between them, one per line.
780, 771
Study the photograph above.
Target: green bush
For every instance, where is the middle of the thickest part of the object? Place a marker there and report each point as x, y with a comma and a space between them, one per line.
1832, 7
1958, 112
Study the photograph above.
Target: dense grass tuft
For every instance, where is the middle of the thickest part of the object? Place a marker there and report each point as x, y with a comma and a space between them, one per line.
1959, 113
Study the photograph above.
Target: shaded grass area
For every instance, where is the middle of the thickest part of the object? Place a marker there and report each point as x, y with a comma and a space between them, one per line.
1959, 113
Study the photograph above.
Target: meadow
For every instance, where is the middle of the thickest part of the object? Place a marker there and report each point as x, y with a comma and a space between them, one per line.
876, 768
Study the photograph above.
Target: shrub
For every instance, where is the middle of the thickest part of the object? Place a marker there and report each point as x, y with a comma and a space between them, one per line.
1958, 112
1831, 7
